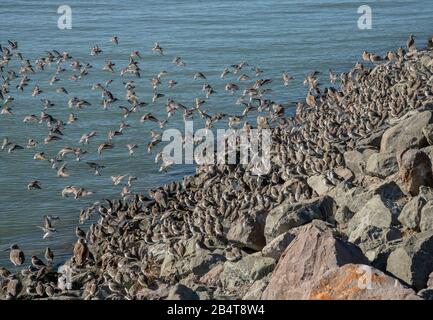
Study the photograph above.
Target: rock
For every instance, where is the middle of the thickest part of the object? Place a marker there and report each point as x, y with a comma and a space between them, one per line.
429, 151
286, 216
410, 216
406, 133
355, 198
373, 139
319, 184
276, 247
314, 251
343, 215
412, 262
359, 282
245, 271
430, 281
382, 165
378, 243
200, 263
249, 232
374, 214
426, 221
256, 290
181, 292
212, 278
428, 133
415, 170
356, 160
426, 294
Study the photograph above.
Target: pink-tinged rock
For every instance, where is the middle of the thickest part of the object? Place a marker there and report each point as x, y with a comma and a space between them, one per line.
415, 170
313, 252
212, 278
359, 282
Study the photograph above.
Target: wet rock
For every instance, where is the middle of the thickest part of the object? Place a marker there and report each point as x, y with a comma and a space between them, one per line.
314, 251
181, 292
415, 170
412, 262
359, 282
245, 271
249, 231
319, 184
276, 247
406, 133
382, 165
287, 216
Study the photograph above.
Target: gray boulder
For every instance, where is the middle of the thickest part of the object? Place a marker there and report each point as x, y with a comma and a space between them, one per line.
276, 247
412, 261
382, 165
239, 276
181, 292
374, 214
426, 221
287, 215
406, 133
410, 216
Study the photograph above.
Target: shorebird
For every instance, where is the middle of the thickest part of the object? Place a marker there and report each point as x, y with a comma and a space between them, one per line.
16, 255
104, 146
95, 167
114, 40
81, 252
34, 185
117, 179
47, 228
37, 263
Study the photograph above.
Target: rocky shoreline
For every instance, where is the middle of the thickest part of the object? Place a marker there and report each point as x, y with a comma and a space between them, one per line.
345, 213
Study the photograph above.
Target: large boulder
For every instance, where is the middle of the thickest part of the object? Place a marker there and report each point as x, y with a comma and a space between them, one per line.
410, 216
378, 243
239, 276
382, 165
181, 292
199, 263
276, 247
412, 262
359, 282
314, 251
287, 215
355, 198
356, 160
426, 221
406, 133
415, 170
249, 231
374, 214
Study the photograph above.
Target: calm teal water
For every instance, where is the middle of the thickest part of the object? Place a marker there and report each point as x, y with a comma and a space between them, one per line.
297, 36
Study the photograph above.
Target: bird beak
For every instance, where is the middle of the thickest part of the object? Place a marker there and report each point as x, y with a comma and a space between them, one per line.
7, 249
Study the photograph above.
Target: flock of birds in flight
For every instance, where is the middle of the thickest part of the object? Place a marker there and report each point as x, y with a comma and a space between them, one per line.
251, 99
